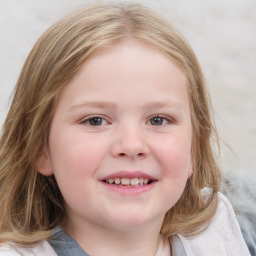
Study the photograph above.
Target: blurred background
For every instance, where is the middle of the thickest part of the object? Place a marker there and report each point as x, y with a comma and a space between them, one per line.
222, 33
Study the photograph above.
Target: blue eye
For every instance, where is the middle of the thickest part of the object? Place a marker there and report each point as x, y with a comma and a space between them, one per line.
158, 121
94, 121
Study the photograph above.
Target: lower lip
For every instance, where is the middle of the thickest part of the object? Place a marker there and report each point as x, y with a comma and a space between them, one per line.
125, 190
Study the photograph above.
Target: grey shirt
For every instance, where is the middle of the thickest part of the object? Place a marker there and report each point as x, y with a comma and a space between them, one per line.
64, 245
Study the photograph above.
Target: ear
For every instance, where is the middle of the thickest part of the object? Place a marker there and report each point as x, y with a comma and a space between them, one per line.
190, 168
44, 164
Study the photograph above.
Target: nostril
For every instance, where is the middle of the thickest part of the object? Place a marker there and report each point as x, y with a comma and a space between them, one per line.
140, 155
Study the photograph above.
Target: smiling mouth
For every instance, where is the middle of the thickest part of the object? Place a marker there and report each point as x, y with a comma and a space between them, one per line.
129, 182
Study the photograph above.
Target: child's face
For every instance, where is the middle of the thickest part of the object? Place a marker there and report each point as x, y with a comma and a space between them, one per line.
124, 116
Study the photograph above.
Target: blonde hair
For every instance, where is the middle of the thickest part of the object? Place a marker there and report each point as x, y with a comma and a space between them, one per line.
30, 203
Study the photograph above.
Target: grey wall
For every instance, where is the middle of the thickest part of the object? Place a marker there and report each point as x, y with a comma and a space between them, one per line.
222, 33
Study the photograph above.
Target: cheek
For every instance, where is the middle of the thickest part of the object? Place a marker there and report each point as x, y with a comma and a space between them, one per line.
75, 161
174, 155
74, 158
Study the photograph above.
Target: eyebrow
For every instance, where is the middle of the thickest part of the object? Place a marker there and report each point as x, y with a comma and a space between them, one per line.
163, 104
111, 105
97, 104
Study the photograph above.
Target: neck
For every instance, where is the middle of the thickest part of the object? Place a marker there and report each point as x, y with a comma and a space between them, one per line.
96, 240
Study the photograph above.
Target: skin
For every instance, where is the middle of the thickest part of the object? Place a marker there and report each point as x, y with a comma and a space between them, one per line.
124, 88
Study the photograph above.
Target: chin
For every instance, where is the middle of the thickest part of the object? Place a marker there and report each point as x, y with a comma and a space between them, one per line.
134, 221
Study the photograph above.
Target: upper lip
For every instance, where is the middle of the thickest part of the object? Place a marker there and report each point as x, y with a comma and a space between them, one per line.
129, 175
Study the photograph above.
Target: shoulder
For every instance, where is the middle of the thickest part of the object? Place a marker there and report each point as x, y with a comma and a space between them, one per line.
41, 249
222, 237
240, 189
225, 212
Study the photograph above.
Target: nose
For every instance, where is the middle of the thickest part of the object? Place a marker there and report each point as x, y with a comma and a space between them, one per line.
130, 143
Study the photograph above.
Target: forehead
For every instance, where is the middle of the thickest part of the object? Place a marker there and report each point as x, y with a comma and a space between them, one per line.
128, 65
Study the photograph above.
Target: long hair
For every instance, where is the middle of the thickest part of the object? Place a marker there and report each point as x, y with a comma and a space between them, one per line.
31, 204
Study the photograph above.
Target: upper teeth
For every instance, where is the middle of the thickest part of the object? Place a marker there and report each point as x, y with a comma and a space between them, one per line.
127, 181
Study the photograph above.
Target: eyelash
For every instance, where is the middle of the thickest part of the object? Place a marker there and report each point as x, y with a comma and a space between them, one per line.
87, 120
103, 121
167, 120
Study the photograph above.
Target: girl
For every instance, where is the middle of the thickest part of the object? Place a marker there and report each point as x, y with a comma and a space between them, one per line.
106, 149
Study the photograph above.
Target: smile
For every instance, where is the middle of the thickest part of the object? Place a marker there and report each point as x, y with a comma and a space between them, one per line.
130, 182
